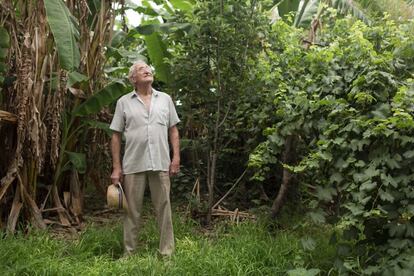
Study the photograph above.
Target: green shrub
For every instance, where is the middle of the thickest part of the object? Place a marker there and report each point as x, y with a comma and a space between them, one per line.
350, 106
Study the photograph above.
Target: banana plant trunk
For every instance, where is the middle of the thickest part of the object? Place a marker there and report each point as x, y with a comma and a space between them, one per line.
35, 176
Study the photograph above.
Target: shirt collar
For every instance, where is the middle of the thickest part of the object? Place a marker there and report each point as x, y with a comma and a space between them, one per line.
154, 92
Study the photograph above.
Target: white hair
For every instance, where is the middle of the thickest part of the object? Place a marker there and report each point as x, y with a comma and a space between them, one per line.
132, 70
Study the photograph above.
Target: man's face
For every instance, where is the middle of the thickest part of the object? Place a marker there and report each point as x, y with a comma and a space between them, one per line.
143, 74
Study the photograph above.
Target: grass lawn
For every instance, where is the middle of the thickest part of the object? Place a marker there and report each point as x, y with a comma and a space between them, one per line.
249, 248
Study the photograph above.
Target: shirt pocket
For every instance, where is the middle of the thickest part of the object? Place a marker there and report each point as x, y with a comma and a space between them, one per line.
162, 116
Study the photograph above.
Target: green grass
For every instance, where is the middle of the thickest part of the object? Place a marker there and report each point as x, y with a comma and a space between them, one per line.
250, 248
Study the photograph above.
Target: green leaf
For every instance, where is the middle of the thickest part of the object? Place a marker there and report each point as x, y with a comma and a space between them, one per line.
310, 8
3, 53
385, 196
102, 98
388, 179
147, 29
284, 7
78, 160
173, 27
75, 77
317, 217
348, 7
371, 171
344, 250
65, 32
409, 154
410, 209
397, 230
368, 185
325, 193
350, 233
100, 125
2, 67
409, 230
355, 209
157, 51
392, 163
336, 178
117, 38
325, 155
4, 38
307, 9
183, 5
146, 11
131, 56
308, 243
154, 10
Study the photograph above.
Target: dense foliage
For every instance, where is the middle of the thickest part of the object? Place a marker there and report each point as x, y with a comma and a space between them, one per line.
214, 82
349, 105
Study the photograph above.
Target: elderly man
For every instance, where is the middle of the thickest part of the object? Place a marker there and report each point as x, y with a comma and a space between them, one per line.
147, 118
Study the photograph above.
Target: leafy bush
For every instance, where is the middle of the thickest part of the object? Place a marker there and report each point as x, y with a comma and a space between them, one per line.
213, 69
349, 106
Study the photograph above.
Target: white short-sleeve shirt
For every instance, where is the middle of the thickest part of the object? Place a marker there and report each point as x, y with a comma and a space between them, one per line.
146, 132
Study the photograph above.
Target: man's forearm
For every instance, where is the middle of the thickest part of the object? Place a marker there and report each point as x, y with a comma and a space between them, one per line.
175, 142
116, 150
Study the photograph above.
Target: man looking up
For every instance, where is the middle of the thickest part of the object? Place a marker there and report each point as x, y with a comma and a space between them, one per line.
147, 118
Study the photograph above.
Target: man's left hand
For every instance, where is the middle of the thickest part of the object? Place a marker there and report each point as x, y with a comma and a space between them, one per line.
174, 167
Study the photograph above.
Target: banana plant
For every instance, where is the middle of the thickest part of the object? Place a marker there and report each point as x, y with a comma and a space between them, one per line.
305, 10
156, 24
397, 9
80, 55
65, 29
4, 46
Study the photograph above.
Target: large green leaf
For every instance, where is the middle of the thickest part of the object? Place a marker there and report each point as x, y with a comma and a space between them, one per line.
146, 11
100, 125
169, 27
78, 161
65, 32
75, 77
307, 9
286, 6
157, 51
117, 38
4, 38
308, 244
102, 98
348, 7
159, 9
185, 6
131, 56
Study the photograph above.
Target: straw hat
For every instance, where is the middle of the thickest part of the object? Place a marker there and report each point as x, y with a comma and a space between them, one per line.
115, 197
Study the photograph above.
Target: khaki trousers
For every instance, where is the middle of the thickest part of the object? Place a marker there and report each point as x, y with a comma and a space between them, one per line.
134, 187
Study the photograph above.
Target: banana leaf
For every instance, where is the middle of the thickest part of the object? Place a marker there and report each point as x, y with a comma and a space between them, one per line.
102, 98
65, 32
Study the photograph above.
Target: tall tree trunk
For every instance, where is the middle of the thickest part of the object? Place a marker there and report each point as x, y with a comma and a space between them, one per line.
287, 158
211, 182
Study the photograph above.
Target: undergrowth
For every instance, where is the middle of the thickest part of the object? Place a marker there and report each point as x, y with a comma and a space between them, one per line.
249, 248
